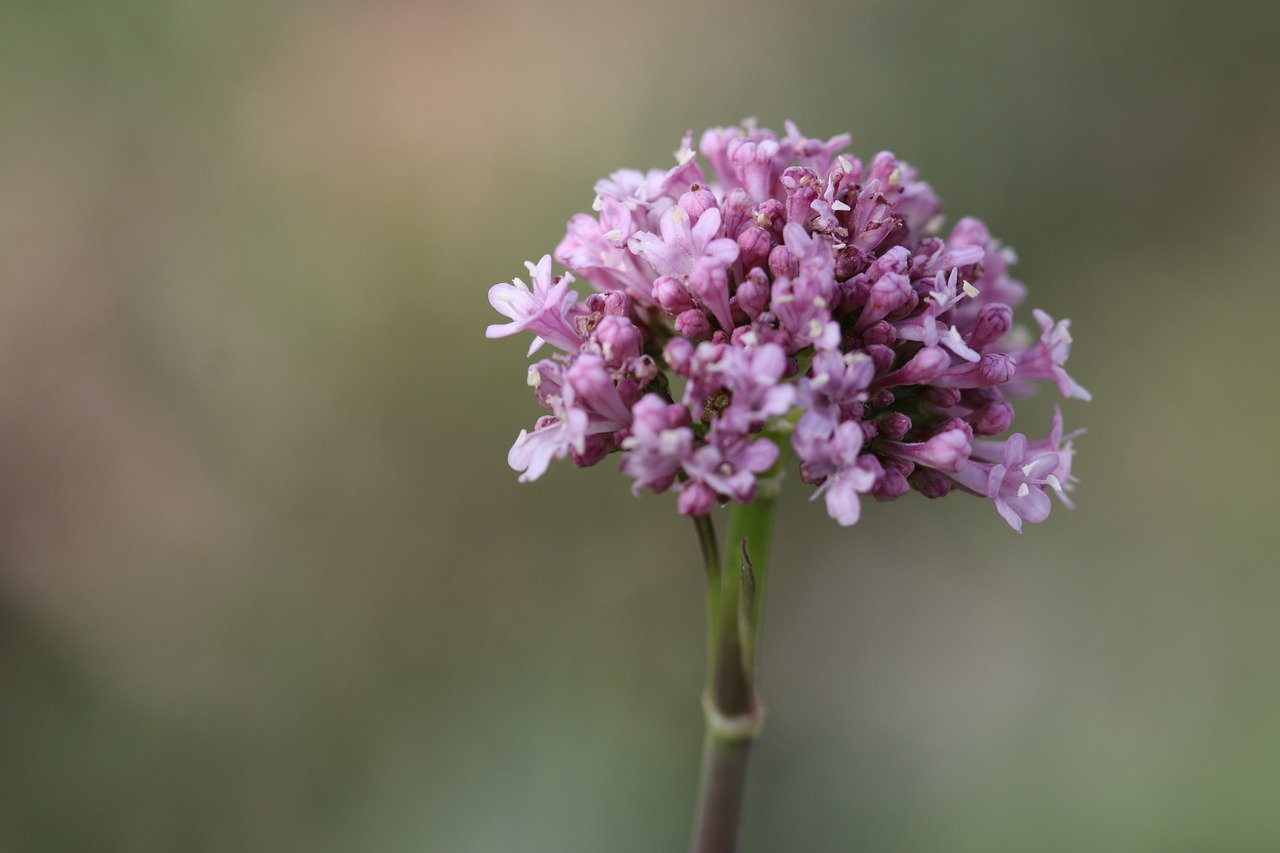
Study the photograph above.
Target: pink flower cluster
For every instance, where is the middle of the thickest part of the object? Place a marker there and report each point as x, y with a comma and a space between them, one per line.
798, 295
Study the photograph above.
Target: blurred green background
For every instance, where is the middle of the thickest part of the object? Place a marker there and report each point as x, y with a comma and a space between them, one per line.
267, 583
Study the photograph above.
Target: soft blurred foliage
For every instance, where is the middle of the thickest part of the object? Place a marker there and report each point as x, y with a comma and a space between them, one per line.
267, 584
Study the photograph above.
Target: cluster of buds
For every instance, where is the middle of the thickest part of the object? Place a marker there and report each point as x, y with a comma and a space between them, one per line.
798, 296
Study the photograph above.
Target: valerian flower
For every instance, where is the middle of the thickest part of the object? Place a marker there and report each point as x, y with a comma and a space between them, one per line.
788, 295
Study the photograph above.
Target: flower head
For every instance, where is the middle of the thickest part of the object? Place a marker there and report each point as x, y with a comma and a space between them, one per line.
795, 292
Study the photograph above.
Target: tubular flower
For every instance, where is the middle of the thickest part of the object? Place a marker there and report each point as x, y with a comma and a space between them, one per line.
796, 296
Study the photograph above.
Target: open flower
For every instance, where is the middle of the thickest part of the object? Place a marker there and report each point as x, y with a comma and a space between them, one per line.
1046, 358
546, 309
1017, 483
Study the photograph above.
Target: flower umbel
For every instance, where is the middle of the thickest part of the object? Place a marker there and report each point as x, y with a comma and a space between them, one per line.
790, 290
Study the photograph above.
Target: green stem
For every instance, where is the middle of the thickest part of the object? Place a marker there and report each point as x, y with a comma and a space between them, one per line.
731, 704
711, 559
724, 777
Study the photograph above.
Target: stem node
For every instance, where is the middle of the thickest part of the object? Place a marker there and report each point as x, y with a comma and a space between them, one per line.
736, 728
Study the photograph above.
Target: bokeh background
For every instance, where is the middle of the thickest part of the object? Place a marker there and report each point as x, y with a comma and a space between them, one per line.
267, 584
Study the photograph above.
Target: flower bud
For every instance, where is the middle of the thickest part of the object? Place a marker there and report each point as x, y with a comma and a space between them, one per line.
737, 211
895, 425
752, 294
618, 339
881, 332
882, 399
594, 448
930, 483
976, 398
694, 325
994, 369
924, 367
881, 356
696, 202
992, 323
754, 245
671, 295
890, 487
782, 264
943, 398
992, 419
678, 354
